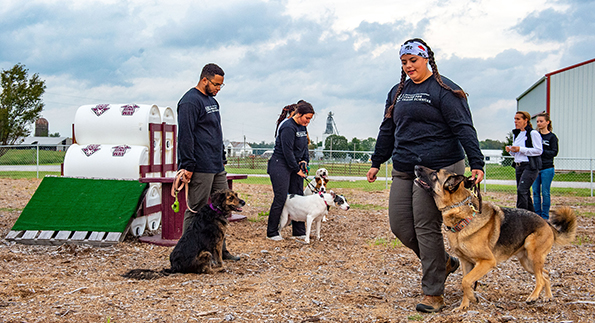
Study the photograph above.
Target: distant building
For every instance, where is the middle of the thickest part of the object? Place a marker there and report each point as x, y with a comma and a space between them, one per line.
41, 127
48, 143
567, 95
237, 149
492, 156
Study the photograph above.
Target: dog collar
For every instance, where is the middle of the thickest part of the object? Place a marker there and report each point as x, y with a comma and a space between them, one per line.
461, 225
215, 208
322, 197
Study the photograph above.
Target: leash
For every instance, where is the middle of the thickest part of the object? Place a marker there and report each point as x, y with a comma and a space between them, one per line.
309, 184
180, 183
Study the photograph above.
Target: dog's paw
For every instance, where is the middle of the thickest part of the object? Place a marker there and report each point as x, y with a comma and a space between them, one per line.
463, 307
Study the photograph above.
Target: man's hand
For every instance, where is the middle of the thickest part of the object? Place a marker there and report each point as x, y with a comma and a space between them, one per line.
187, 176
371, 175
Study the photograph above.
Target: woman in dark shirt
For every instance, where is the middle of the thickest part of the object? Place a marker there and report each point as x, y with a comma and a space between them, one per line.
427, 122
289, 157
542, 184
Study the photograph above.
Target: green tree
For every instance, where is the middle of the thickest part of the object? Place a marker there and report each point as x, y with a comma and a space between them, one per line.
336, 142
20, 103
509, 140
491, 144
368, 144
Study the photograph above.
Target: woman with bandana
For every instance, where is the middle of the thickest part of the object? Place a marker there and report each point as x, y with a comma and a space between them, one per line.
426, 122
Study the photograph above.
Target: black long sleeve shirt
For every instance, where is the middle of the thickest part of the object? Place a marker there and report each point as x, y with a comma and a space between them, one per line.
430, 126
200, 137
291, 144
550, 150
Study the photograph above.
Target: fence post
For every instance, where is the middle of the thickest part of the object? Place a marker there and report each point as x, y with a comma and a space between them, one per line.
591, 167
386, 176
485, 178
37, 159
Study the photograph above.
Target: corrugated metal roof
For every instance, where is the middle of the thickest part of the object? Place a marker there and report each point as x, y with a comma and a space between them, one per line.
44, 140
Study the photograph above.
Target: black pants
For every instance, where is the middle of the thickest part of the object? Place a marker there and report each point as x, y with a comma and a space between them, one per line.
284, 182
525, 176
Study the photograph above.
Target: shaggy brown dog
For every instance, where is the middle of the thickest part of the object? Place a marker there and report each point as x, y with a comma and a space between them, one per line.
202, 243
486, 235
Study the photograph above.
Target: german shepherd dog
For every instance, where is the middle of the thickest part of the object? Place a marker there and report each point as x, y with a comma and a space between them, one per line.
484, 235
202, 243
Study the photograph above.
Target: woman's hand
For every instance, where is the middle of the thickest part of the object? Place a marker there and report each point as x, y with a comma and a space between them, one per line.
302, 174
371, 175
477, 174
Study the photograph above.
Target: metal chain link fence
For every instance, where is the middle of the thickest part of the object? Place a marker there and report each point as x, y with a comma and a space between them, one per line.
347, 169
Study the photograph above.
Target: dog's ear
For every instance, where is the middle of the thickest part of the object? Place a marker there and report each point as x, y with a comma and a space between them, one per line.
452, 182
332, 193
218, 198
325, 181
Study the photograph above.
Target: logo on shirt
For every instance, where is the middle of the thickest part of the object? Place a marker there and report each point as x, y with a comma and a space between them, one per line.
300, 134
91, 149
212, 108
415, 97
100, 109
120, 151
128, 110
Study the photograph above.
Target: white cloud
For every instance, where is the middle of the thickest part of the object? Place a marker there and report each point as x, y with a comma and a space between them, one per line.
339, 55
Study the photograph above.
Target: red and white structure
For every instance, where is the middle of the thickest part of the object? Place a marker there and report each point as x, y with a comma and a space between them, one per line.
125, 141
568, 95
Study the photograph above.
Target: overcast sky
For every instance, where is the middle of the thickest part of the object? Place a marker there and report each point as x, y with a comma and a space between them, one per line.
341, 56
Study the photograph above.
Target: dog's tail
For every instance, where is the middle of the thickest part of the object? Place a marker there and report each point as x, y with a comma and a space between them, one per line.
563, 223
146, 274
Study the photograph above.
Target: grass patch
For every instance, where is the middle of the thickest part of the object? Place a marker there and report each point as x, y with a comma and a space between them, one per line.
582, 239
368, 207
21, 174
29, 157
588, 214
391, 243
260, 217
415, 317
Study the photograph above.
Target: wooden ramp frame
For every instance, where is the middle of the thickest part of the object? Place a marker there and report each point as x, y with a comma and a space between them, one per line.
97, 239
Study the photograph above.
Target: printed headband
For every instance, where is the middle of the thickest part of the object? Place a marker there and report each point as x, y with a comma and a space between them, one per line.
414, 48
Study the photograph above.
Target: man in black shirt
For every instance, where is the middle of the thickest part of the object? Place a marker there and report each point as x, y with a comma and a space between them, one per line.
201, 153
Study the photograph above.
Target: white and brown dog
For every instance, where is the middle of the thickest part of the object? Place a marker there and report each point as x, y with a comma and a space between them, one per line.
318, 183
310, 209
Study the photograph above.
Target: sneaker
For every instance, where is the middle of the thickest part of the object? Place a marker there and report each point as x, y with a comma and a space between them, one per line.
275, 238
302, 237
452, 264
228, 256
430, 304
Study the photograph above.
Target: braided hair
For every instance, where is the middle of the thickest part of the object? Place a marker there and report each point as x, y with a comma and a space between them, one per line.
432, 62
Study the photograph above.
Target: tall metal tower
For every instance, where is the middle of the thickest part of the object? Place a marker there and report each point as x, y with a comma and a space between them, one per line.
331, 128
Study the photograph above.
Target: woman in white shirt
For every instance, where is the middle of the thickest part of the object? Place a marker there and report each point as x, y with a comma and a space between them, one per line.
526, 149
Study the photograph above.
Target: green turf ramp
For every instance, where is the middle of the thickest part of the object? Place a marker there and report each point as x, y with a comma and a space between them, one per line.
77, 204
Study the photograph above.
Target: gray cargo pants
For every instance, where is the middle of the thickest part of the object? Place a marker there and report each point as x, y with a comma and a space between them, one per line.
416, 221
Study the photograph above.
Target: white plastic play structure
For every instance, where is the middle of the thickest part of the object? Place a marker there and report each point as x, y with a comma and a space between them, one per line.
125, 141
